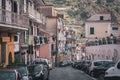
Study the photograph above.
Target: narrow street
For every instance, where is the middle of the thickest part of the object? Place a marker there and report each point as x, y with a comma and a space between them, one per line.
68, 73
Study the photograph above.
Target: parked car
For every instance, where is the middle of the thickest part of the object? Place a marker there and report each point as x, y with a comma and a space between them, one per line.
85, 66
76, 63
65, 63
23, 71
39, 72
95, 64
113, 73
99, 71
44, 61
10, 74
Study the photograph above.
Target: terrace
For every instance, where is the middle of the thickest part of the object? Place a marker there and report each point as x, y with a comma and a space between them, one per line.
10, 21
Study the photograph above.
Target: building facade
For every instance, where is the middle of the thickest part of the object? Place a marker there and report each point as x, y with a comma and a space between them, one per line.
102, 38
11, 22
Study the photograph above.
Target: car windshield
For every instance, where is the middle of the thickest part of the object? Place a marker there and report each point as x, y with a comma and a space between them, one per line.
98, 63
23, 71
7, 76
88, 62
37, 69
109, 64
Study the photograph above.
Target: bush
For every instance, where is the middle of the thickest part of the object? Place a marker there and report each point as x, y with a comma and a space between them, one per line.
84, 15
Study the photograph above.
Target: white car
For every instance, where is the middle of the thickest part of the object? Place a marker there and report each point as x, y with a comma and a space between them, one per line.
95, 64
113, 73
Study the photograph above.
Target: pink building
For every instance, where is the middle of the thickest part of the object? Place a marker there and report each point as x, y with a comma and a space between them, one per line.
102, 37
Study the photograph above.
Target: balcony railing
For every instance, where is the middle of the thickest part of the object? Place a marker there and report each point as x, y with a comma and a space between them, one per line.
10, 18
103, 41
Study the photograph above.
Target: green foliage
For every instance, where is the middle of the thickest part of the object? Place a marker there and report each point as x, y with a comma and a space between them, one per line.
99, 1
72, 13
110, 1
114, 18
84, 15
85, 8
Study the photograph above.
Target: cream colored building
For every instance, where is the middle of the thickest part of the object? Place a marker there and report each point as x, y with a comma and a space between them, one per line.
102, 38
98, 25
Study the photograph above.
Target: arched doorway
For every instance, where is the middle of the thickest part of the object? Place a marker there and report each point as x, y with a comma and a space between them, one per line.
10, 58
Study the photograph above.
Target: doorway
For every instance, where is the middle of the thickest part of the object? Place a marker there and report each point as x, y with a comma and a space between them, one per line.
10, 58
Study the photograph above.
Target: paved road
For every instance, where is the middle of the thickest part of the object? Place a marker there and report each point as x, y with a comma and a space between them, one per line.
68, 73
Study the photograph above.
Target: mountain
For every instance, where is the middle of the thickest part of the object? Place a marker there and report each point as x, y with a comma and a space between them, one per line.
82, 9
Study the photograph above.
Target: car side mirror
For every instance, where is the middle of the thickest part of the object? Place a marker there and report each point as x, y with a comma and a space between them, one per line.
118, 65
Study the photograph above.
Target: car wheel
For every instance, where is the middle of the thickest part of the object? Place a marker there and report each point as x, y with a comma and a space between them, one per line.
91, 73
47, 79
101, 77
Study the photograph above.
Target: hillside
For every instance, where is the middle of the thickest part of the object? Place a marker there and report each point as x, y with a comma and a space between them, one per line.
83, 9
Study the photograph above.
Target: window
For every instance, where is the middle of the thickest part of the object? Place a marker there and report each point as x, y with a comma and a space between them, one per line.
14, 6
52, 47
15, 38
35, 31
115, 30
3, 4
31, 28
92, 30
101, 18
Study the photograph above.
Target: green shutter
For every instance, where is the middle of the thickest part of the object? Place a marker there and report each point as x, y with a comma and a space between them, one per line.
3, 52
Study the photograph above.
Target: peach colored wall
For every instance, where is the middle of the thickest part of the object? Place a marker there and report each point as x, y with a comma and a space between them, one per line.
44, 51
51, 25
33, 13
100, 29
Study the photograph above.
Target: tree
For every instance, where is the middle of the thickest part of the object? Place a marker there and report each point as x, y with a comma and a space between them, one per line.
84, 15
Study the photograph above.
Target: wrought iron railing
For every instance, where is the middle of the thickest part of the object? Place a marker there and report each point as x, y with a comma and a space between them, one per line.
11, 18
103, 41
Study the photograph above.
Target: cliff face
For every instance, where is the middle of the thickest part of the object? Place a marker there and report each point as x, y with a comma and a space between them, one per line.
83, 9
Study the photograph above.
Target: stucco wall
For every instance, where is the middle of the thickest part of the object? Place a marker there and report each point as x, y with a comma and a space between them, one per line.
104, 51
44, 51
51, 25
100, 29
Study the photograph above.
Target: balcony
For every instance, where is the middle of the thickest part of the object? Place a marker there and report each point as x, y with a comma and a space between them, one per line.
35, 15
103, 41
12, 22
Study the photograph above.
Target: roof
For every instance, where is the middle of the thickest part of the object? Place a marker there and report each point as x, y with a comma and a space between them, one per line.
96, 17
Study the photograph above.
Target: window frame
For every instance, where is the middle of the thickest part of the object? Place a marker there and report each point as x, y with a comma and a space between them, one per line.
92, 30
101, 18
